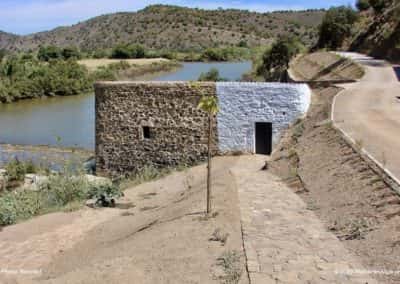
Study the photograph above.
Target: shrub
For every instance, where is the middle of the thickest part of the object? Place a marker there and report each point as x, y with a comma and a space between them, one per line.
100, 53
2, 54
121, 52
105, 195
211, 76
17, 170
49, 52
62, 189
225, 54
71, 52
58, 192
243, 43
336, 26
128, 51
104, 74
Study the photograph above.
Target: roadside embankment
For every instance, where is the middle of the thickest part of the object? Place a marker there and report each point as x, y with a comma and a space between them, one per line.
324, 67
345, 191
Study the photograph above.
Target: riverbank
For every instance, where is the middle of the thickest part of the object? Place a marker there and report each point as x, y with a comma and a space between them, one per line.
128, 69
61, 78
68, 121
52, 157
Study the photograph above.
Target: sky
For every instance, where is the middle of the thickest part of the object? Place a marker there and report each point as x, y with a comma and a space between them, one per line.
29, 16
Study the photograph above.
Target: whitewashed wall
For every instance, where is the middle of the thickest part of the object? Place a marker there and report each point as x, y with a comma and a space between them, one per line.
243, 104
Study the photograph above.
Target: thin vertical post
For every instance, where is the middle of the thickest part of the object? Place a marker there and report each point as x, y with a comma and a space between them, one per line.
209, 164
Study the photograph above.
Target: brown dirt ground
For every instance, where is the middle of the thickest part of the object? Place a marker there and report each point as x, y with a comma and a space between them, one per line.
158, 235
341, 188
324, 66
93, 64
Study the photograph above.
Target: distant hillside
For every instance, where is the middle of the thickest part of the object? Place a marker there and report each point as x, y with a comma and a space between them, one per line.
6, 40
379, 32
172, 27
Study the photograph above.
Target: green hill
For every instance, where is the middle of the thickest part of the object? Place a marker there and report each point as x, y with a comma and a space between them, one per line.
172, 27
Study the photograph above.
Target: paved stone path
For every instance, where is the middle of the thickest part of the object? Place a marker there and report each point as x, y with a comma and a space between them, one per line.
285, 242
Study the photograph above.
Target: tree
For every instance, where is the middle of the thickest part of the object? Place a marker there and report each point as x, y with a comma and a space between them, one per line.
137, 51
336, 26
71, 52
363, 5
209, 104
121, 52
128, 51
49, 52
276, 60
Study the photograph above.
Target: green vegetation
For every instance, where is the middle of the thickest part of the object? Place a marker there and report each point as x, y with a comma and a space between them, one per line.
109, 72
24, 77
275, 60
105, 195
3, 53
128, 51
16, 170
47, 53
226, 54
336, 27
58, 192
231, 264
182, 29
377, 32
211, 76
56, 72
64, 190
363, 5
377, 5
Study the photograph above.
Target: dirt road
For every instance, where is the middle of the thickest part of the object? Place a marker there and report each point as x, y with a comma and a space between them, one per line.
163, 237
369, 111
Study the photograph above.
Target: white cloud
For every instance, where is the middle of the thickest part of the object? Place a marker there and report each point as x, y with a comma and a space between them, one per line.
36, 15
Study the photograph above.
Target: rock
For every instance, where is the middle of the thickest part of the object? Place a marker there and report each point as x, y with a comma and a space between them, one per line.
90, 203
95, 180
3, 172
33, 181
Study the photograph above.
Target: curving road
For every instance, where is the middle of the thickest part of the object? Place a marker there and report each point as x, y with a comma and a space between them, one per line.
369, 111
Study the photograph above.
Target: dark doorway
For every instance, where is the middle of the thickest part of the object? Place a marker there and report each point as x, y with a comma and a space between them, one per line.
397, 72
264, 138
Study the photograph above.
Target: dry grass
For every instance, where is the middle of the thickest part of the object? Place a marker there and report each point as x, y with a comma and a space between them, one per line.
93, 64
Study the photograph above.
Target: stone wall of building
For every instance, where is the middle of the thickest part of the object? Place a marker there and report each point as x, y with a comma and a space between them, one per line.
128, 111
244, 104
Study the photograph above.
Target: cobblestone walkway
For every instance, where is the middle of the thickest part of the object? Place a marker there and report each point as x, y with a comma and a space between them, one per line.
285, 242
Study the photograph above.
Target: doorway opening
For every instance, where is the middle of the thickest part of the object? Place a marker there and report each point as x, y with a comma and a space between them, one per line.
263, 138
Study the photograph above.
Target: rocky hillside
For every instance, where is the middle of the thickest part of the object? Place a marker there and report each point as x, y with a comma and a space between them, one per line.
173, 27
6, 39
379, 32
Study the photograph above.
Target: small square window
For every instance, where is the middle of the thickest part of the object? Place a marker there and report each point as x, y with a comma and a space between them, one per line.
146, 132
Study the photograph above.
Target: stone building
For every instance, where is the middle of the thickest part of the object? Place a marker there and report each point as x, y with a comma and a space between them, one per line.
158, 124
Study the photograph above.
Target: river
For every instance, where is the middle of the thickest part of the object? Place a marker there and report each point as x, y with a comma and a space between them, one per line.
69, 121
